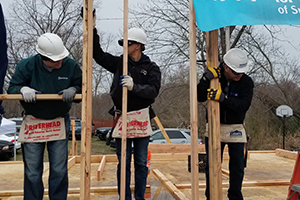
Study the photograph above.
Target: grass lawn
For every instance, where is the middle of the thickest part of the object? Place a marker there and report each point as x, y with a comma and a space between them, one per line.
98, 147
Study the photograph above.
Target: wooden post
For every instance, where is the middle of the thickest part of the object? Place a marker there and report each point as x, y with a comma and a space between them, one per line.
86, 115
162, 130
73, 151
124, 104
193, 105
215, 173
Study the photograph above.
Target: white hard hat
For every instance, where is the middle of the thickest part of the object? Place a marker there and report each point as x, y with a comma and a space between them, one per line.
51, 46
237, 60
136, 35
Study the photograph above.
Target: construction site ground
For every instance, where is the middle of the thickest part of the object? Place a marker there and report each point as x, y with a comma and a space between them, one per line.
267, 177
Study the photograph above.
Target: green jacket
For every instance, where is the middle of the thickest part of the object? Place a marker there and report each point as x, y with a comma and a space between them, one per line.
31, 72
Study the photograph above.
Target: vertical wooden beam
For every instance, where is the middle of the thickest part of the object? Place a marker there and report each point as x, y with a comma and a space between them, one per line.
215, 173
86, 114
193, 105
124, 104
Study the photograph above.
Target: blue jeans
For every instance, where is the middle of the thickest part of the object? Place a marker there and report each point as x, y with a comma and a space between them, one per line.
140, 165
33, 155
236, 169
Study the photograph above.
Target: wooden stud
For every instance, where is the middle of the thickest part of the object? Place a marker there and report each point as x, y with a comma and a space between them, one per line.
124, 104
87, 61
215, 175
174, 191
38, 97
193, 104
101, 168
157, 121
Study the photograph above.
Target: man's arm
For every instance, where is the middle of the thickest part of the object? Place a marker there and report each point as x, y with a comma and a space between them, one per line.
106, 60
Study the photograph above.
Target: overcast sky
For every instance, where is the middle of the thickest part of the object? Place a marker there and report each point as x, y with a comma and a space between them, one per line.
110, 16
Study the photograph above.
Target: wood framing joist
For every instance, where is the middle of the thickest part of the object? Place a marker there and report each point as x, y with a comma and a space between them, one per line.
257, 183
174, 191
99, 190
38, 97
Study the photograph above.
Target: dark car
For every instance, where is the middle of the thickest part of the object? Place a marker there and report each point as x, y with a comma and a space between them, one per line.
77, 130
102, 132
6, 150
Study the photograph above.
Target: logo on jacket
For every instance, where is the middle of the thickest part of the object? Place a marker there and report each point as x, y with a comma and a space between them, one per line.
62, 78
144, 72
236, 133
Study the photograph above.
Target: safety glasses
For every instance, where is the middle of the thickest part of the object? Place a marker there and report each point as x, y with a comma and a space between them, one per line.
234, 72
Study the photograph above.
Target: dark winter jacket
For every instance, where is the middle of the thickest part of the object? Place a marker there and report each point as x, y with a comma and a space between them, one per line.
238, 97
146, 77
31, 72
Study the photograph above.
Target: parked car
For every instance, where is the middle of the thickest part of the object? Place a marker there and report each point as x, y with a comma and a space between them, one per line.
6, 150
177, 136
102, 132
10, 137
77, 130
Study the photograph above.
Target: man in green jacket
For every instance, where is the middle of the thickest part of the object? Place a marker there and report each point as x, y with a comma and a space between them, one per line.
48, 72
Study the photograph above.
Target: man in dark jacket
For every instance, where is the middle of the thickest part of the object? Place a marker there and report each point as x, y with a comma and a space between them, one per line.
235, 95
143, 83
48, 72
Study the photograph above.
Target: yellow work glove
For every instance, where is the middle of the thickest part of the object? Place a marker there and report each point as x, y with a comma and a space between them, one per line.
212, 72
215, 94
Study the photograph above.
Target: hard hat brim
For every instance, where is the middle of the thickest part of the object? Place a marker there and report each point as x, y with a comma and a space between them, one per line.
61, 56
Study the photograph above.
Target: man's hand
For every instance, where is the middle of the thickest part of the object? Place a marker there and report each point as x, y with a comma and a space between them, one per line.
127, 81
94, 16
28, 94
68, 94
212, 72
215, 94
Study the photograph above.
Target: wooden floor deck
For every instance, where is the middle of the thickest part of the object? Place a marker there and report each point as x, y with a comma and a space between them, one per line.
267, 177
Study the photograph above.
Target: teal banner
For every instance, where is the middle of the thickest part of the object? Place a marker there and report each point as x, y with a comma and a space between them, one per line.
214, 14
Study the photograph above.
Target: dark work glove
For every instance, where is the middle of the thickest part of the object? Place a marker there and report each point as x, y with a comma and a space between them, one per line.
215, 94
212, 72
68, 94
94, 16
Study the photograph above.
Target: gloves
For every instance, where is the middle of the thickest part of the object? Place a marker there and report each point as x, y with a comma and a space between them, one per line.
28, 94
68, 94
94, 16
216, 94
127, 81
212, 72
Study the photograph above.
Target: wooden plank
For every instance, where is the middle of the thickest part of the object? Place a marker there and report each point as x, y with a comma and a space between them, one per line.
193, 104
86, 109
73, 150
174, 191
38, 97
286, 153
260, 183
124, 104
11, 162
174, 148
101, 168
215, 175
71, 162
99, 190
157, 121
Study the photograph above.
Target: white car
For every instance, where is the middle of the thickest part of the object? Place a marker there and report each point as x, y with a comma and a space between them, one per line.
18, 121
11, 138
177, 136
